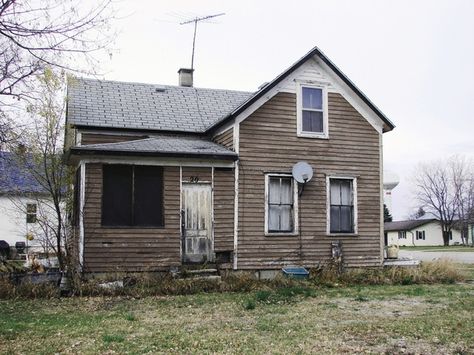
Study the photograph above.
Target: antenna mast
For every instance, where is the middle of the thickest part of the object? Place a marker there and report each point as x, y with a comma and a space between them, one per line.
196, 20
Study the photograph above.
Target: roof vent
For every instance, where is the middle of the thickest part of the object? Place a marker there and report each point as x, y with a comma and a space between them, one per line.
186, 77
160, 88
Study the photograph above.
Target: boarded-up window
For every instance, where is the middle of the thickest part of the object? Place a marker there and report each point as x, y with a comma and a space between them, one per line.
280, 197
342, 206
132, 196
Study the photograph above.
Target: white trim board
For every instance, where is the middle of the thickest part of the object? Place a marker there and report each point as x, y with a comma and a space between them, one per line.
328, 205
324, 75
295, 231
159, 161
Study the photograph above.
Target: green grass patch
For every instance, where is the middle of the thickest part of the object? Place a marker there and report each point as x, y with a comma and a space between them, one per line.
112, 338
291, 319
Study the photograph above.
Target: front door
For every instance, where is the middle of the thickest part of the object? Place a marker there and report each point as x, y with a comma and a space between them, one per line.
196, 223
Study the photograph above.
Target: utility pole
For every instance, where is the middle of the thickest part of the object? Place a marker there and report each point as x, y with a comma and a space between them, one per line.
196, 20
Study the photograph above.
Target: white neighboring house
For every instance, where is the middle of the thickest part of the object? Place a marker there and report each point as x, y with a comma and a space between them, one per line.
22, 203
421, 232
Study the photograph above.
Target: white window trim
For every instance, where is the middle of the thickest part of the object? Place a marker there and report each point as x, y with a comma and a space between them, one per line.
295, 206
328, 205
299, 111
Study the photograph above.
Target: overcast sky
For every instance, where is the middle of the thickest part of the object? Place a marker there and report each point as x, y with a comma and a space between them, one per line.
413, 59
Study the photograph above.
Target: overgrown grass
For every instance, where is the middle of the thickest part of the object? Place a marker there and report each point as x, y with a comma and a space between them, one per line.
149, 284
390, 319
442, 271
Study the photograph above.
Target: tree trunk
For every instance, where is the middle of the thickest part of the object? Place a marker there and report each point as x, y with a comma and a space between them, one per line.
446, 238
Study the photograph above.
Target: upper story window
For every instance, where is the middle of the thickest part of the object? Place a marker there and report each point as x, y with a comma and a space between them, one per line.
280, 204
342, 205
132, 196
312, 112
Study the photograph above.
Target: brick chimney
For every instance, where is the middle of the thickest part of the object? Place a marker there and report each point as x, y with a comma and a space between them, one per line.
186, 77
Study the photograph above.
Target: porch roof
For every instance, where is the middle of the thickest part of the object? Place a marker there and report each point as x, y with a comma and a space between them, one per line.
160, 146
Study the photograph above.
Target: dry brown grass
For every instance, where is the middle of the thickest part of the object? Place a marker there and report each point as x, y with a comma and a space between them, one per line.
442, 271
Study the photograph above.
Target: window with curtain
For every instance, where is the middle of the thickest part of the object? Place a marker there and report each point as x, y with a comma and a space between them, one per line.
342, 206
280, 204
132, 196
312, 110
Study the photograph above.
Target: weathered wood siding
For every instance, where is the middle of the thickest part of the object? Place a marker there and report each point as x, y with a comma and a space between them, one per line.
130, 249
269, 143
97, 138
223, 209
226, 138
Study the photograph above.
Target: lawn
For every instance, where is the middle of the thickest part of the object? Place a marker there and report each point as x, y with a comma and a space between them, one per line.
431, 319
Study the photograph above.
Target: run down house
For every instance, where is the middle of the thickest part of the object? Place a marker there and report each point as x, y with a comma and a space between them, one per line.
170, 175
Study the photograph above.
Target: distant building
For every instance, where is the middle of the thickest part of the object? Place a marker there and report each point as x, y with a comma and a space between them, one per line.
422, 232
20, 204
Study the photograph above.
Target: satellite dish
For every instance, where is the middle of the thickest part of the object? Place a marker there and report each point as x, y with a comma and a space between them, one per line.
302, 172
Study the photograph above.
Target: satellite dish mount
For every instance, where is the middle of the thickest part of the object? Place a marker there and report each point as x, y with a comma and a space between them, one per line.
302, 172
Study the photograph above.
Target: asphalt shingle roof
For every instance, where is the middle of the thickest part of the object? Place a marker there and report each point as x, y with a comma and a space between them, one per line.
115, 104
406, 225
161, 145
15, 178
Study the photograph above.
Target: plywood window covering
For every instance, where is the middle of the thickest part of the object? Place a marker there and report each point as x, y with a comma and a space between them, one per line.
342, 206
132, 196
280, 204
31, 212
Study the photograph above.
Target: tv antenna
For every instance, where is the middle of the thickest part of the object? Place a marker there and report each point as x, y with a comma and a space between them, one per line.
196, 20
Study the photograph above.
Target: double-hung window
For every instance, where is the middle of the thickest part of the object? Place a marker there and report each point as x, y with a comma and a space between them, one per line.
420, 235
342, 209
312, 111
132, 196
31, 212
402, 235
280, 204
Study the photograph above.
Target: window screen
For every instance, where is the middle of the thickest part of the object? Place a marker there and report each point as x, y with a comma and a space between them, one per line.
280, 204
148, 196
312, 110
132, 196
117, 195
342, 206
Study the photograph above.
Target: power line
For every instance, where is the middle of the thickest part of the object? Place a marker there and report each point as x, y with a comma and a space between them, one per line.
196, 20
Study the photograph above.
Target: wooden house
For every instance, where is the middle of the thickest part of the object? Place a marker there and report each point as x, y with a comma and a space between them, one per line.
169, 175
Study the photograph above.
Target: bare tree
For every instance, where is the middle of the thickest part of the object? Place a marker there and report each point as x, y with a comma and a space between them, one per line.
463, 182
42, 158
442, 188
35, 34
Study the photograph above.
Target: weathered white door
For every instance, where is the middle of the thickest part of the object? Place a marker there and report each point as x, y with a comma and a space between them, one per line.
196, 222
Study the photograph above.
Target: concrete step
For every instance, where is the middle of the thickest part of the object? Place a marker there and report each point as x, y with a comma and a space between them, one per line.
202, 272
